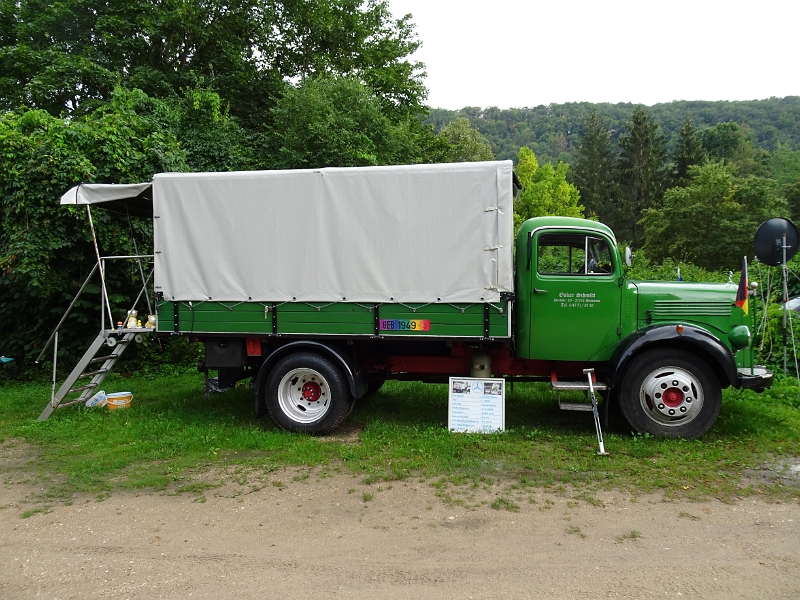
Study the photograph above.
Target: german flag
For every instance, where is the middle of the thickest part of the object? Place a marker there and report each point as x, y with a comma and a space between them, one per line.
741, 293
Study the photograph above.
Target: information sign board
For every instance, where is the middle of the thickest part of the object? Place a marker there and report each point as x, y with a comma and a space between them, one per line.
476, 405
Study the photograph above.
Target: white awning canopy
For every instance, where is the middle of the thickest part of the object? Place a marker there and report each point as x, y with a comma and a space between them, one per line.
135, 199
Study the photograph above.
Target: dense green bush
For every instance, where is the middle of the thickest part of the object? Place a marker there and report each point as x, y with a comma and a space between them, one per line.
45, 249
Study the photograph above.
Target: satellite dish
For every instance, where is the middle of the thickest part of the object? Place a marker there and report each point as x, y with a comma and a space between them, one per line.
768, 242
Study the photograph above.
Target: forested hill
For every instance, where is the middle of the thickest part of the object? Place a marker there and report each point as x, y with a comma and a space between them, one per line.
553, 131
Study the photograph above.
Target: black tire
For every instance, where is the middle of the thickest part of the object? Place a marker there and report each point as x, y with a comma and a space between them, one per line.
670, 393
305, 393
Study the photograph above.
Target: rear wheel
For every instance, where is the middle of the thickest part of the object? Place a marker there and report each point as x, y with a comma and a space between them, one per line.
306, 392
670, 393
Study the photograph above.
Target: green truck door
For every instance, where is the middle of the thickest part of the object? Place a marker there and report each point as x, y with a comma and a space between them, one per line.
575, 296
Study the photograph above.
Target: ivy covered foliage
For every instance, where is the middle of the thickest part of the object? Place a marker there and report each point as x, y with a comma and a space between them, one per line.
45, 249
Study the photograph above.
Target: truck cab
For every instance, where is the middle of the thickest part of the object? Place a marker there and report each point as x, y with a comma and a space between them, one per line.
664, 349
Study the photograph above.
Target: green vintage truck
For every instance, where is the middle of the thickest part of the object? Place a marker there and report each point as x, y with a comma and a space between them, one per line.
319, 285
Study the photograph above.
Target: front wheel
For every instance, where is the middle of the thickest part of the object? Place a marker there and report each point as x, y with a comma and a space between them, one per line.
670, 393
307, 393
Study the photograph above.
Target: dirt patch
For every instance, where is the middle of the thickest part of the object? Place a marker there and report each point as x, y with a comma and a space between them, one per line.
18, 468
319, 533
16, 454
785, 472
347, 433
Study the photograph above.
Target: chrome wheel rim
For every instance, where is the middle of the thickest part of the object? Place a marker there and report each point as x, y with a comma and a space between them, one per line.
304, 395
671, 396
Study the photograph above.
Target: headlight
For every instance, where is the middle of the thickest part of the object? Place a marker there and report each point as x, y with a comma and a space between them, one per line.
739, 337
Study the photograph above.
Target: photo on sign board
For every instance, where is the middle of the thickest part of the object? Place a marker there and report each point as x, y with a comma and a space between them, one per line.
461, 387
491, 388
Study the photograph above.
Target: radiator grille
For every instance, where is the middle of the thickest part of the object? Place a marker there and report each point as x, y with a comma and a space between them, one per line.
665, 309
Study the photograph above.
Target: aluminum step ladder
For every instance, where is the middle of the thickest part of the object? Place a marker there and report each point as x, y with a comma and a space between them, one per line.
117, 341
590, 386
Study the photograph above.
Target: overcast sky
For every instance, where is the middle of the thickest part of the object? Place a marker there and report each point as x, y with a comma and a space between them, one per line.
516, 53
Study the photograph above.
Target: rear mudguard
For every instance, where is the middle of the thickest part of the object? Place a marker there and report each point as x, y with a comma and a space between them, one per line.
355, 376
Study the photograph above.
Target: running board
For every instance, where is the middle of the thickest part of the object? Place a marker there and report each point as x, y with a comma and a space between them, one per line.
575, 386
580, 406
581, 386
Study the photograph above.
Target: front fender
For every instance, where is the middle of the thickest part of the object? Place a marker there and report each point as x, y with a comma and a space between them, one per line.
693, 339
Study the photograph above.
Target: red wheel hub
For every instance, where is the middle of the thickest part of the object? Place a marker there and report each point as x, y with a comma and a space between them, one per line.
672, 397
311, 391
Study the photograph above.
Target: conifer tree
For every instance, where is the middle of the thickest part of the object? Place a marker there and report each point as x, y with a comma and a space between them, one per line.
641, 174
594, 168
688, 152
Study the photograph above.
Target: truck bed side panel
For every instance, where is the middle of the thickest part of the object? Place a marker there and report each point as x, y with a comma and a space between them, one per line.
339, 318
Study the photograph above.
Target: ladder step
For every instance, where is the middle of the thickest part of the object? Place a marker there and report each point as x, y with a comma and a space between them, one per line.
581, 386
102, 358
575, 406
80, 400
93, 373
88, 386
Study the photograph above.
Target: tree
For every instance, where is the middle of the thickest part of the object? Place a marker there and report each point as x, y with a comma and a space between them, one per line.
210, 137
593, 172
544, 128
711, 222
730, 143
641, 174
545, 190
338, 121
68, 56
467, 144
688, 152
721, 141
785, 165
791, 192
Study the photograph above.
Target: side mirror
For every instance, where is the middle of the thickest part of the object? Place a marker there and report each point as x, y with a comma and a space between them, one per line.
628, 256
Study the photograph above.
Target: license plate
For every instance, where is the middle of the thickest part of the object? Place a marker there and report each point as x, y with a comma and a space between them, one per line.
405, 325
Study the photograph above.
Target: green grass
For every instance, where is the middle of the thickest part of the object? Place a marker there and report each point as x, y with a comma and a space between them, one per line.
172, 430
38, 510
506, 504
633, 534
574, 529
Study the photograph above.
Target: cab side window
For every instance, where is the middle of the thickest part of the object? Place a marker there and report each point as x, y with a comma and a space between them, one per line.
598, 256
573, 254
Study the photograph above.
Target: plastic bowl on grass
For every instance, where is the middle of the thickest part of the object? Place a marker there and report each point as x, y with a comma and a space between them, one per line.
119, 400
99, 399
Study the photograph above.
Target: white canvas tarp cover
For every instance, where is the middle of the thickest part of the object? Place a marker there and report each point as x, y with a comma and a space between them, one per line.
421, 233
